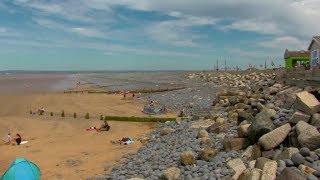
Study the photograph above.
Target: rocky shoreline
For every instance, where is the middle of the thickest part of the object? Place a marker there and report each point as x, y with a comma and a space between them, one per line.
256, 128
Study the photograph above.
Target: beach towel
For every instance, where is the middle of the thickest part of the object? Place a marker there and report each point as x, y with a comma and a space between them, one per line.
23, 142
92, 129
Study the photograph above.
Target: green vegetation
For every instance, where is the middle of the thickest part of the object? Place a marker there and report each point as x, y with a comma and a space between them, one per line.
139, 119
139, 90
62, 113
106, 118
74, 115
87, 116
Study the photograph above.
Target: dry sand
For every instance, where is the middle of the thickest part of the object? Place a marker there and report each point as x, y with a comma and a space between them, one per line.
56, 142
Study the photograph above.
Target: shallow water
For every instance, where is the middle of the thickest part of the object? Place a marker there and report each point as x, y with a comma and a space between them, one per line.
136, 80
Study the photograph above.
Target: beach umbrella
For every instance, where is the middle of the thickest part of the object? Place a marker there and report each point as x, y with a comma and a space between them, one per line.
22, 169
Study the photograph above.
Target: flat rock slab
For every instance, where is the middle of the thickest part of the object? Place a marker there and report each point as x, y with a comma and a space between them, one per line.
274, 138
307, 103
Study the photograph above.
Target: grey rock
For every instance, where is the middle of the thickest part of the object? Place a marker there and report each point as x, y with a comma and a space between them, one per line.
261, 125
297, 159
299, 116
291, 173
304, 151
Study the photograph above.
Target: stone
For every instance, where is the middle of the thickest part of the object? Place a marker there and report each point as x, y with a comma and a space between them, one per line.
315, 119
306, 170
268, 154
243, 130
299, 116
288, 162
166, 131
269, 170
287, 153
202, 133
172, 173
251, 174
205, 141
252, 152
291, 173
220, 120
178, 120
238, 166
274, 138
252, 163
241, 106
312, 177
304, 152
135, 178
207, 154
261, 125
216, 128
297, 159
308, 135
187, 158
261, 162
307, 103
230, 144
243, 115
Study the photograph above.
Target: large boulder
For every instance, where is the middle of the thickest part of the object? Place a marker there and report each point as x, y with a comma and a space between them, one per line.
307, 103
315, 120
299, 116
269, 170
251, 174
274, 138
238, 166
261, 161
207, 154
187, 158
252, 152
288, 152
261, 125
308, 135
291, 173
234, 144
172, 173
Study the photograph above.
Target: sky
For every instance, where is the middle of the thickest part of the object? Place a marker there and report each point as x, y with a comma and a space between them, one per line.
152, 34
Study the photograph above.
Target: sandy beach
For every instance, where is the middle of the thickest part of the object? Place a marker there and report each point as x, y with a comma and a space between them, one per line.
61, 147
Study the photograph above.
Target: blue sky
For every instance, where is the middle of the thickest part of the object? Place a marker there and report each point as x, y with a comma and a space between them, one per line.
151, 34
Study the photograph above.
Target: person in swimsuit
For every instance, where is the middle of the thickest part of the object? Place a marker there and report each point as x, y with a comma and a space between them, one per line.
18, 139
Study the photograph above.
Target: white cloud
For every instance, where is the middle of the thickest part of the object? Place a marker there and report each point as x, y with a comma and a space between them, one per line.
285, 42
255, 26
175, 32
84, 31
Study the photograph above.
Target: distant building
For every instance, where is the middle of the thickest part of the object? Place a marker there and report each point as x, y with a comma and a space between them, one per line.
296, 58
314, 49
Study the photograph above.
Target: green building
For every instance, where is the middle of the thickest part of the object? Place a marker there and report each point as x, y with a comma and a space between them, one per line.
296, 58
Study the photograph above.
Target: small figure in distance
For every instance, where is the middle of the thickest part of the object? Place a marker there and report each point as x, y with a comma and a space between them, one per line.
18, 139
